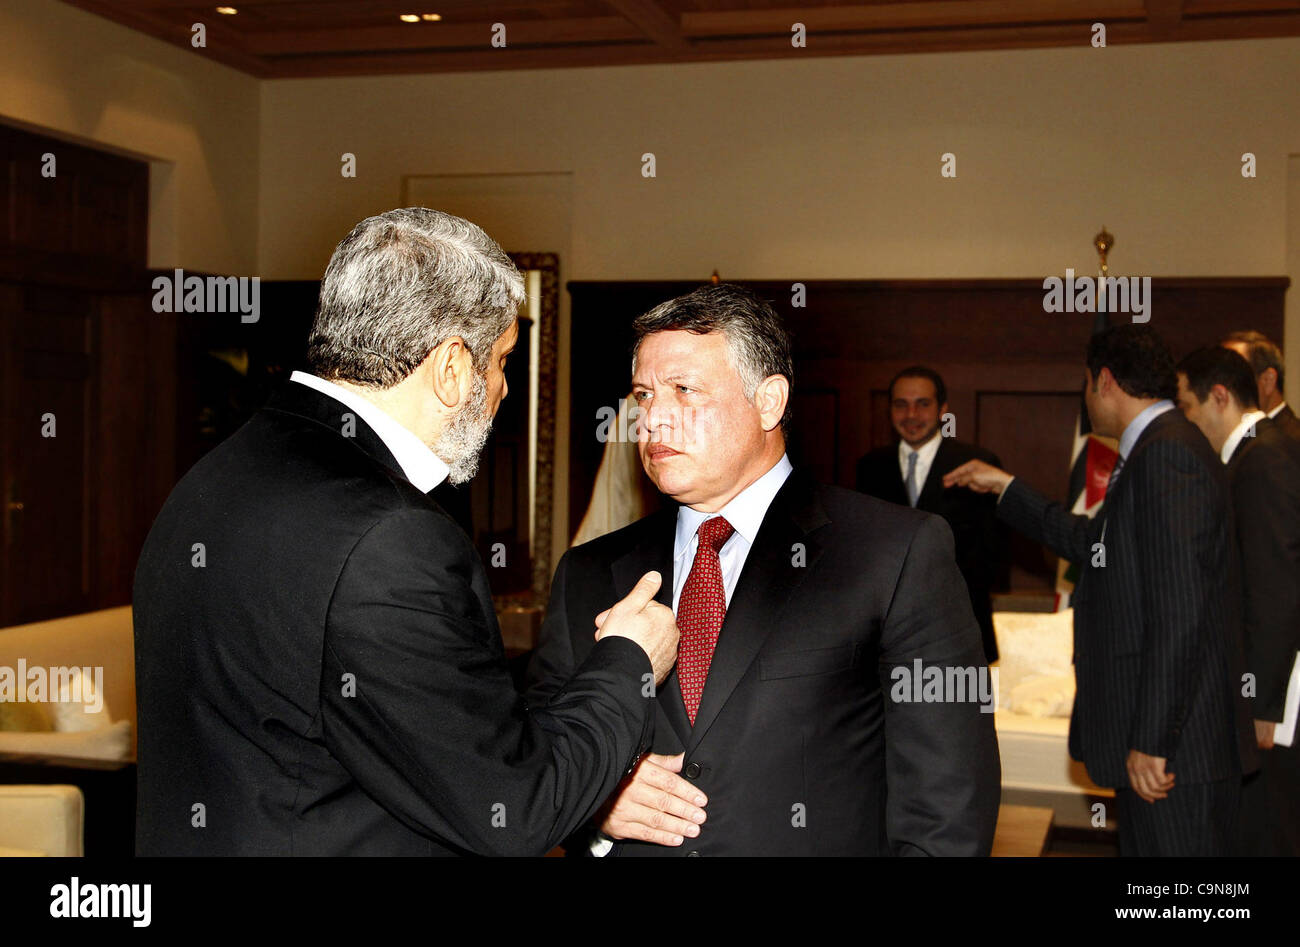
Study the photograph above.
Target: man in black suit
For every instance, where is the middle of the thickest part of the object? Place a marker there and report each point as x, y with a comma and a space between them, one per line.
319, 669
1158, 712
912, 473
1266, 362
811, 618
1217, 393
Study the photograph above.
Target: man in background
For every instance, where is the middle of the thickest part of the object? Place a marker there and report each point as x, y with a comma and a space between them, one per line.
1266, 362
1157, 627
318, 661
1217, 392
809, 614
912, 474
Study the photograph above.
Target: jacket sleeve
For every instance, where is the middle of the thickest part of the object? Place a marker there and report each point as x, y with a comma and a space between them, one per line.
552, 662
1176, 517
1266, 500
1069, 535
942, 766
417, 701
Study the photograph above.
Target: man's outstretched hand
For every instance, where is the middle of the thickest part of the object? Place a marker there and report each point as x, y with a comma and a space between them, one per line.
651, 625
654, 804
978, 476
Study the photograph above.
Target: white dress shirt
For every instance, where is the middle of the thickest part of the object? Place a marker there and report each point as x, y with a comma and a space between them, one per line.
924, 459
1246, 423
420, 464
1274, 413
745, 513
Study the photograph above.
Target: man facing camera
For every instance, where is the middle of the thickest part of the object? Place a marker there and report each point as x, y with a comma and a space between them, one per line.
912, 473
1156, 626
318, 662
796, 722
1217, 392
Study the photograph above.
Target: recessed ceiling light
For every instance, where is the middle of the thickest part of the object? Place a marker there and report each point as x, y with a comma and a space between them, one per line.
431, 17
410, 18
227, 11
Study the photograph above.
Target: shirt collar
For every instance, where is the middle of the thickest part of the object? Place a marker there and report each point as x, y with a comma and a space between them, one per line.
1247, 421
1278, 410
1139, 424
745, 512
925, 453
420, 465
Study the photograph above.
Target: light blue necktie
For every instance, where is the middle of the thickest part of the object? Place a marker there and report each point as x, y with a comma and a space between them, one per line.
912, 492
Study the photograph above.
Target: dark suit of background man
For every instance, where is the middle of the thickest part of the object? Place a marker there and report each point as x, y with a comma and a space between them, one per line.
318, 663
798, 603
912, 474
1217, 393
1270, 376
1158, 712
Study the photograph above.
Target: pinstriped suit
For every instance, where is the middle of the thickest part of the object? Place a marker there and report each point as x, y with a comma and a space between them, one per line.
1157, 635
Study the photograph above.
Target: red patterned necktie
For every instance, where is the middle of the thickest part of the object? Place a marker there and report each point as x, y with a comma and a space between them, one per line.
700, 611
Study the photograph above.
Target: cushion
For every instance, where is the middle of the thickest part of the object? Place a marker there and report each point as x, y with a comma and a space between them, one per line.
108, 743
80, 705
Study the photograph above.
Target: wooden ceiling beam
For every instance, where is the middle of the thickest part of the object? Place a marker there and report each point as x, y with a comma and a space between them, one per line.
223, 44
924, 14
654, 21
605, 29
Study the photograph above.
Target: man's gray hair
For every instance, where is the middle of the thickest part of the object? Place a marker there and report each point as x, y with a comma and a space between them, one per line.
1262, 353
756, 337
401, 284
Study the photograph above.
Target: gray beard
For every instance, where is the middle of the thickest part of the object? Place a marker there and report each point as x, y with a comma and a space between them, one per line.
461, 442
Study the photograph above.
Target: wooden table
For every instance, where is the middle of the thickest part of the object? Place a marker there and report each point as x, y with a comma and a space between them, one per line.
1022, 831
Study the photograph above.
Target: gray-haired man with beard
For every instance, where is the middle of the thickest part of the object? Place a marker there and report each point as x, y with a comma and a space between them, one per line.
318, 663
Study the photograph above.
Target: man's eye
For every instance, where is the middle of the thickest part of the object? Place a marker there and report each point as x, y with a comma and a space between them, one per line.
684, 388
640, 395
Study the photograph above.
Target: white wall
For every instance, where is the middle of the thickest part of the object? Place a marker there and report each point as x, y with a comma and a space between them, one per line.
828, 167
74, 75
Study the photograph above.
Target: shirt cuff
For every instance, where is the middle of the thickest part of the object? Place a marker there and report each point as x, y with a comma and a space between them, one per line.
601, 845
1005, 489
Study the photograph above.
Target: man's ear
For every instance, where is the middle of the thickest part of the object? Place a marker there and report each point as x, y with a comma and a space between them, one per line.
448, 370
1267, 381
1219, 395
771, 398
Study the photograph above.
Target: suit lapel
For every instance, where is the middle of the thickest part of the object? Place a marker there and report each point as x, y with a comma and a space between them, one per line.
895, 489
655, 552
764, 587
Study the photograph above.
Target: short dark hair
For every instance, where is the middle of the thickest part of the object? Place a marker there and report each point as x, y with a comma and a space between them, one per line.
1262, 353
755, 332
1216, 365
1137, 358
920, 371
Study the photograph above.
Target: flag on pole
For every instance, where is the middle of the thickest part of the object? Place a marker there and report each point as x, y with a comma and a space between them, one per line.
1093, 456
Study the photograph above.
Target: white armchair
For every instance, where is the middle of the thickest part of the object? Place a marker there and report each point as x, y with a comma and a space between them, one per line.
41, 820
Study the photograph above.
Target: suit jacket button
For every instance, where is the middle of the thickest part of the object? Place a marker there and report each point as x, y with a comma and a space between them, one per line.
692, 854
692, 770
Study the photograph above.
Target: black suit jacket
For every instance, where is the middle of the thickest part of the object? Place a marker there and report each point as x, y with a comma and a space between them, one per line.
1157, 628
837, 591
1288, 423
331, 679
1264, 472
979, 544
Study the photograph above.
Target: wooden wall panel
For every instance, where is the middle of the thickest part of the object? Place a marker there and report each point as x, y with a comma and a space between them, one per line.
1013, 371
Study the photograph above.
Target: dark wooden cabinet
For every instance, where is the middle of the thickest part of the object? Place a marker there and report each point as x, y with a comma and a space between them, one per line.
88, 393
